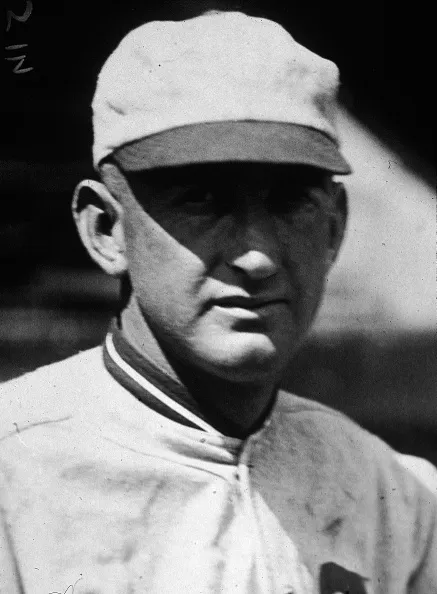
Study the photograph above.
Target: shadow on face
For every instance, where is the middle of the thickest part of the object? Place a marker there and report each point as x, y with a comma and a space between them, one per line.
250, 225
191, 200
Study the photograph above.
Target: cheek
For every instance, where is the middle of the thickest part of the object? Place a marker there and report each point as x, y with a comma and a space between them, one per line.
165, 274
305, 246
147, 253
305, 250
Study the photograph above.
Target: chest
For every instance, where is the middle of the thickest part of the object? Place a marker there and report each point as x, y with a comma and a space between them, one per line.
159, 526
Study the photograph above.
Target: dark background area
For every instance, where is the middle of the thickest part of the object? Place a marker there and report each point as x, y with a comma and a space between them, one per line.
53, 302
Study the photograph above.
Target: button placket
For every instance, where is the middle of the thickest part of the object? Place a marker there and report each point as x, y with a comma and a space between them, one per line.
243, 472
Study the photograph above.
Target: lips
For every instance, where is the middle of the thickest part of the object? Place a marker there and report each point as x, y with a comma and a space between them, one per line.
251, 303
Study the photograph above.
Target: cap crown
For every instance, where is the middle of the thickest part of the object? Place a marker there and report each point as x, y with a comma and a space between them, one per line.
217, 67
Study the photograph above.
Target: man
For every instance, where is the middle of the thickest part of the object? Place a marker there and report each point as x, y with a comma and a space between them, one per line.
169, 461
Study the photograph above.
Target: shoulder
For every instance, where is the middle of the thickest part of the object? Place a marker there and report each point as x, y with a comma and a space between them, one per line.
48, 393
349, 449
320, 422
421, 469
350, 478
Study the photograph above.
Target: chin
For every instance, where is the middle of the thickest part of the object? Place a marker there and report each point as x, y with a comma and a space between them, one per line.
248, 357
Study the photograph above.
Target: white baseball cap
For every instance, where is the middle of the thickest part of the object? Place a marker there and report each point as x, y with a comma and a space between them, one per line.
221, 87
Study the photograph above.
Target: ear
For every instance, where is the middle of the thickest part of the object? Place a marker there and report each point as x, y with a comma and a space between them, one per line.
99, 217
338, 218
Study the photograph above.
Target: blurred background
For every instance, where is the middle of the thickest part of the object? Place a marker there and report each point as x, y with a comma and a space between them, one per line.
373, 352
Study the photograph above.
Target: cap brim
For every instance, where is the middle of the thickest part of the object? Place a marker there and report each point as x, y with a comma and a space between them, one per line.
245, 141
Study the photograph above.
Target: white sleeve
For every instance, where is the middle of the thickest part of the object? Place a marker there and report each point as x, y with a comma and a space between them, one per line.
425, 579
423, 470
9, 580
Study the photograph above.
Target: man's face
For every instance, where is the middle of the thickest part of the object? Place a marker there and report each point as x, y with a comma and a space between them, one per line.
228, 262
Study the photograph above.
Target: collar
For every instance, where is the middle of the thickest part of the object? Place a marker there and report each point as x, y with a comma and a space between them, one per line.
149, 384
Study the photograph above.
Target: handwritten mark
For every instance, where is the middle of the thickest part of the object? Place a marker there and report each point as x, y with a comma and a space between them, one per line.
70, 589
16, 46
20, 18
17, 68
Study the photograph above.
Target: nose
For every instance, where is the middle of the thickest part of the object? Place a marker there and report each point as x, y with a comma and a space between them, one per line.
255, 252
255, 264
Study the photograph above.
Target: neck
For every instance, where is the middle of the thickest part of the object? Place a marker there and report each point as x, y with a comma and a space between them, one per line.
234, 409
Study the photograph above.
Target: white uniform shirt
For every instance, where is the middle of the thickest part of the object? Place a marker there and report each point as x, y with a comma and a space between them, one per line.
101, 495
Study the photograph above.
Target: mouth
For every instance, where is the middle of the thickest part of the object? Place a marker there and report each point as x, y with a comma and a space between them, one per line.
249, 303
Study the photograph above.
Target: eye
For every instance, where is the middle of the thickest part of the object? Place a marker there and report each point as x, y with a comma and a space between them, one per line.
299, 199
201, 200
196, 197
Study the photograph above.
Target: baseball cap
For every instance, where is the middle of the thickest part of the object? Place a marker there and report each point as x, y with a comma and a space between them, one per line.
220, 87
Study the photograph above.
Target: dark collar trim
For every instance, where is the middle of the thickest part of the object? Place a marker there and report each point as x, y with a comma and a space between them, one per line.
149, 384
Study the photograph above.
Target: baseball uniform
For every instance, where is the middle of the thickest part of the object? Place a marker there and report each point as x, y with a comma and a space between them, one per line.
104, 493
